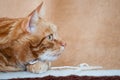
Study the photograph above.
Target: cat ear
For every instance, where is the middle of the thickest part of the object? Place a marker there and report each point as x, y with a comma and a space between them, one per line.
38, 9
32, 19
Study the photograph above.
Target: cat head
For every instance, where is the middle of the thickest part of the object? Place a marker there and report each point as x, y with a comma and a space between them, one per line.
43, 37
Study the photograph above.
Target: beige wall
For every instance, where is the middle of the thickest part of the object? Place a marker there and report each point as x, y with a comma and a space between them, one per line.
91, 28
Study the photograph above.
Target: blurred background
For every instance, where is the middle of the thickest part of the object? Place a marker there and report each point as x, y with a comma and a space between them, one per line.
91, 28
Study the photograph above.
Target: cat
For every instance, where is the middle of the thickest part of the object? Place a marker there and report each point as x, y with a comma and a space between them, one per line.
28, 43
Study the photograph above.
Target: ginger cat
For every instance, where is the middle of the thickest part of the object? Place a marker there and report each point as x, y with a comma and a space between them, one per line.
28, 43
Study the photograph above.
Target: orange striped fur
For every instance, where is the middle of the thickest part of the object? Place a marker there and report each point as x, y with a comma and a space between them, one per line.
23, 40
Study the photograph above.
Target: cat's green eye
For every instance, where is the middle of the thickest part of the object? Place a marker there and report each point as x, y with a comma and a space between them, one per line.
50, 37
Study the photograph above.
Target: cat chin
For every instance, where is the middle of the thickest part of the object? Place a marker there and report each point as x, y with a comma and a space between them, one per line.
51, 55
48, 56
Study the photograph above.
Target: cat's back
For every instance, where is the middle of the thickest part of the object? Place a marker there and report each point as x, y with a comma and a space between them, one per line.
6, 22
6, 27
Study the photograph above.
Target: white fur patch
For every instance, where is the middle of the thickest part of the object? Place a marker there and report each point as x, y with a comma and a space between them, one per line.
51, 55
47, 56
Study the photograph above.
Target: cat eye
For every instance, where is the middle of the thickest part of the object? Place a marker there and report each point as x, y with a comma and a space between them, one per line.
50, 37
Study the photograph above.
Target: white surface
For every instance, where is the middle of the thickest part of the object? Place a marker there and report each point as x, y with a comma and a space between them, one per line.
10, 75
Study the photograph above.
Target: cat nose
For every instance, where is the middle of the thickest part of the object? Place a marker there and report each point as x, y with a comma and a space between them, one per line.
63, 44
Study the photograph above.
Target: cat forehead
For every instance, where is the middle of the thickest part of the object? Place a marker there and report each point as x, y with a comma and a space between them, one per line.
49, 26
53, 27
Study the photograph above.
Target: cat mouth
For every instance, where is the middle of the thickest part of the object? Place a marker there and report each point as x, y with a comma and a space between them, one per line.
51, 55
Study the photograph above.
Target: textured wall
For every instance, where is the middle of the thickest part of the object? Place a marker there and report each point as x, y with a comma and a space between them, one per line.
91, 28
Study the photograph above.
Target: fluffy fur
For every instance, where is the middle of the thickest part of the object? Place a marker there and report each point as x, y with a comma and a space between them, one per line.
23, 40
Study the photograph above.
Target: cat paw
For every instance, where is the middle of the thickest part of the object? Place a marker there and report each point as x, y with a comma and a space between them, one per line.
38, 67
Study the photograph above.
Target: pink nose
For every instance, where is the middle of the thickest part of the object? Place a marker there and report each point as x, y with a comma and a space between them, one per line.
63, 44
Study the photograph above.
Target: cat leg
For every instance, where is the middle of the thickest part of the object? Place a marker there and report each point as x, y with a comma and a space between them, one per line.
38, 67
4, 68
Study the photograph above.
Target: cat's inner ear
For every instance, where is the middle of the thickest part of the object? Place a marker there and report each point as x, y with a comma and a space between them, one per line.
32, 19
